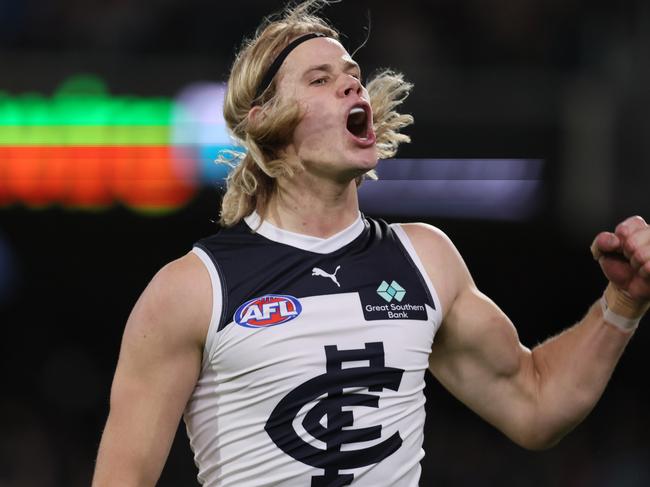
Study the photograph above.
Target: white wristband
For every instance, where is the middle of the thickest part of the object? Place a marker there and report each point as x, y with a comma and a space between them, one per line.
620, 322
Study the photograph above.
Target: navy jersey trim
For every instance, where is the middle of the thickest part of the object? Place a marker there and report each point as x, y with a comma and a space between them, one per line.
224, 286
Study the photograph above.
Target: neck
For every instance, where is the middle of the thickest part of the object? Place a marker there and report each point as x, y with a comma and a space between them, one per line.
312, 206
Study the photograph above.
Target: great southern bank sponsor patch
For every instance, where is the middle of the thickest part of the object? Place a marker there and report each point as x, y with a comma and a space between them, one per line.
268, 310
392, 301
394, 311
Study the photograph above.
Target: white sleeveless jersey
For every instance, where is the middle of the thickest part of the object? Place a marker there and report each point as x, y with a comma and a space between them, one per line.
314, 363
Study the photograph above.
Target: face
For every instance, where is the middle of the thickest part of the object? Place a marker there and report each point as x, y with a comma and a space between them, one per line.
335, 136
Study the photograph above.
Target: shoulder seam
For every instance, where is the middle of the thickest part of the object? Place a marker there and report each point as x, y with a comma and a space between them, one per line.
224, 286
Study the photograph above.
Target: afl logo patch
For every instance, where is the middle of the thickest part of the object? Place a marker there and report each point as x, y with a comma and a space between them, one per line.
269, 310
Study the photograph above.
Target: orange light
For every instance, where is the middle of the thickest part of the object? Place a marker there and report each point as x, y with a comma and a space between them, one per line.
25, 176
5, 199
142, 177
152, 184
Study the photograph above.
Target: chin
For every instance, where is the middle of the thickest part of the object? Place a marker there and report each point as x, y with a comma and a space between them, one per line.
344, 165
359, 168
368, 161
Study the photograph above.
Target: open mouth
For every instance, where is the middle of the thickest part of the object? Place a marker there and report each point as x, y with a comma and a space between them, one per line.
357, 123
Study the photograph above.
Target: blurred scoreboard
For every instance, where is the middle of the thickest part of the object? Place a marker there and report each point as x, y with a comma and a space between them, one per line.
85, 148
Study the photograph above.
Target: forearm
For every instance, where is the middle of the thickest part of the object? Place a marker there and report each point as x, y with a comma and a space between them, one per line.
143, 420
572, 371
120, 461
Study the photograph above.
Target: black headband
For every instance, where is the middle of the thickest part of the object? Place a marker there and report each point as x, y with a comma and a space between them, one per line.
275, 65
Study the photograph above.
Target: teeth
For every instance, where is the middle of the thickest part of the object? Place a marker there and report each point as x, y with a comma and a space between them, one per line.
356, 124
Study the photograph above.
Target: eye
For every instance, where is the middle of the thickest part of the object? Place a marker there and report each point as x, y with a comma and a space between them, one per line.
319, 81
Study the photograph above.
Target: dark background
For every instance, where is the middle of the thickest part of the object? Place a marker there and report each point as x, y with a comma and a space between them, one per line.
560, 80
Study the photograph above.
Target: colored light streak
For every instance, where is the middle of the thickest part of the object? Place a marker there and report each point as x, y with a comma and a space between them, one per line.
199, 127
84, 148
51, 135
83, 101
143, 178
491, 189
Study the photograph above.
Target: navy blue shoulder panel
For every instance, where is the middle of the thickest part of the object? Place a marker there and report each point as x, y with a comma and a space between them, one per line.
251, 266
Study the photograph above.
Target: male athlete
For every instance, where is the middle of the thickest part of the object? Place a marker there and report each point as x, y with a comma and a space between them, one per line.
295, 340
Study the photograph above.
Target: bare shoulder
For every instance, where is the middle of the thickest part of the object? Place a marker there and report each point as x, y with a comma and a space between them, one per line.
426, 235
434, 247
176, 304
440, 258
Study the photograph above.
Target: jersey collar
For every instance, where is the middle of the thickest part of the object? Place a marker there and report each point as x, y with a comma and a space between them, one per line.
305, 242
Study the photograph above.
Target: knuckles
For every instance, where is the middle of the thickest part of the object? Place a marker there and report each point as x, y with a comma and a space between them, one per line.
633, 236
634, 232
637, 220
642, 255
631, 248
630, 225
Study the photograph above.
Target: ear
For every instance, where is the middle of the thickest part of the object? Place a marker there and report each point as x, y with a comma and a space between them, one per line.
256, 114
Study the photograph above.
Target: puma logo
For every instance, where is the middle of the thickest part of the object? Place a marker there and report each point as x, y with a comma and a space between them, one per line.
321, 273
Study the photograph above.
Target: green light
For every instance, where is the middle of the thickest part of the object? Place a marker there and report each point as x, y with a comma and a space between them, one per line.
82, 113
83, 84
62, 135
83, 110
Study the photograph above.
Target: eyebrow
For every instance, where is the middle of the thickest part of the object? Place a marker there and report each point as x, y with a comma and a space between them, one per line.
349, 66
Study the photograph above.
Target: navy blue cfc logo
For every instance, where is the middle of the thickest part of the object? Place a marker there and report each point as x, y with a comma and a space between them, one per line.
375, 377
269, 310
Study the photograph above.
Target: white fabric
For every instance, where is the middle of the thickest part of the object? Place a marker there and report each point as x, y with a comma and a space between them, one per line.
621, 322
305, 242
248, 368
248, 371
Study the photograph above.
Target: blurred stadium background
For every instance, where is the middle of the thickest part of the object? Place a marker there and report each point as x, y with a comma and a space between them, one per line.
532, 134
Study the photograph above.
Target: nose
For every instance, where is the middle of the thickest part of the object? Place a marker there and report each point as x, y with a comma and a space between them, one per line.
349, 85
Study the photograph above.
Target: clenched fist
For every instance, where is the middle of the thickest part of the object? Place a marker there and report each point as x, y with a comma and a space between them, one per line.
624, 257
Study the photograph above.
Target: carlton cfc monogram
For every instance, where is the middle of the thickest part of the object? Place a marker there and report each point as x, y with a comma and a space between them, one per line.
375, 377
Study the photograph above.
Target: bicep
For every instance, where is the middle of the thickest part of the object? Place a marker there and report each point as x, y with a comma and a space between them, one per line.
151, 386
160, 360
476, 353
477, 356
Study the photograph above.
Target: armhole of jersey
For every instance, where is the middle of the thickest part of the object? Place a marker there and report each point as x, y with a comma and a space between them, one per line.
406, 243
211, 338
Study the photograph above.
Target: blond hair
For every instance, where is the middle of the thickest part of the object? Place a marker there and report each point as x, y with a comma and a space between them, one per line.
252, 179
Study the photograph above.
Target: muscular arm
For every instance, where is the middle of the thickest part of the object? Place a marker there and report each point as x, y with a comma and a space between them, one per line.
534, 397
159, 363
